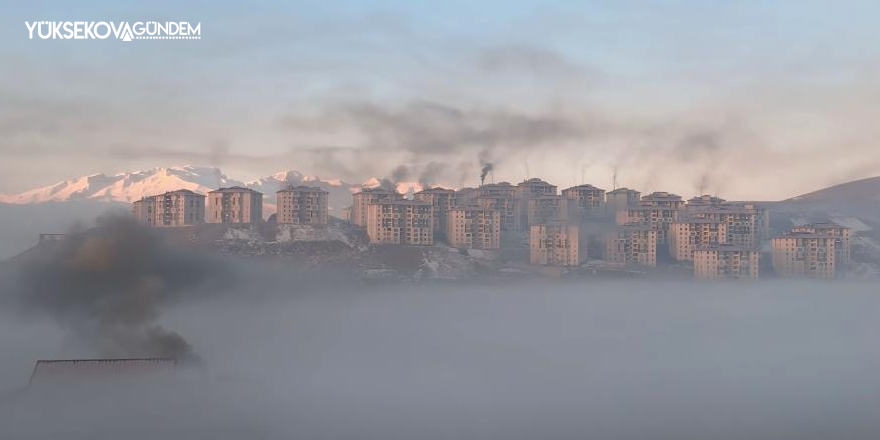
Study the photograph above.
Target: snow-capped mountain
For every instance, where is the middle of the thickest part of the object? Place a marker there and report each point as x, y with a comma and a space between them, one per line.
125, 187
130, 186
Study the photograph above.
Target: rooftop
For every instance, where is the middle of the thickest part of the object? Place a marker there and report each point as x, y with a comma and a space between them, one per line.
584, 186
235, 189
301, 188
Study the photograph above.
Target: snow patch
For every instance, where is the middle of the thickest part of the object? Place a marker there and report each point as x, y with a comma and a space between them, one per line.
294, 233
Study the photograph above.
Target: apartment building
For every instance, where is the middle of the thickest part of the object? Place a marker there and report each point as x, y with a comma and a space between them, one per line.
466, 196
302, 205
590, 201
662, 199
632, 244
472, 227
443, 200
366, 196
235, 205
544, 209
557, 244
528, 190
745, 223
657, 218
841, 236
804, 254
406, 222
726, 261
171, 209
504, 198
704, 201
687, 235
144, 210
620, 199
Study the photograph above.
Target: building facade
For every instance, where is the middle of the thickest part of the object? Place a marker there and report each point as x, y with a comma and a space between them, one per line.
405, 222
443, 200
804, 255
556, 244
472, 227
589, 200
657, 218
235, 205
686, 235
362, 199
725, 261
528, 190
302, 205
662, 199
545, 209
841, 238
632, 245
620, 199
171, 209
504, 198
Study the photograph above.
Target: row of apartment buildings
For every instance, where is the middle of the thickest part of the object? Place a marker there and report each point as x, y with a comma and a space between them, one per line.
296, 205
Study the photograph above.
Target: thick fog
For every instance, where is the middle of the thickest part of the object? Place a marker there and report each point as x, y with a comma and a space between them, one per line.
288, 358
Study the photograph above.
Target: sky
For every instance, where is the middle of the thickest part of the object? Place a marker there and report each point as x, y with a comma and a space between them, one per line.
748, 99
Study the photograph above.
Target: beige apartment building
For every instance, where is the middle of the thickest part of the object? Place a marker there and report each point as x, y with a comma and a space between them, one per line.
704, 201
657, 218
406, 222
443, 200
171, 209
745, 223
362, 199
686, 235
662, 199
504, 198
545, 209
144, 210
590, 201
725, 261
302, 205
528, 190
841, 236
235, 205
557, 244
632, 244
472, 227
466, 196
620, 199
804, 254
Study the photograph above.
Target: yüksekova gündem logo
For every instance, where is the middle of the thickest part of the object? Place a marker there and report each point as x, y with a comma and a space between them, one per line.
101, 30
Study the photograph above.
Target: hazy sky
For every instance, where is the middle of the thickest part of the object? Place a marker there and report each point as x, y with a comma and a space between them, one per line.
747, 99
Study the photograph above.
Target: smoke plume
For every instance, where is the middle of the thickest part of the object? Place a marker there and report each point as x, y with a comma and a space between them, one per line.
106, 286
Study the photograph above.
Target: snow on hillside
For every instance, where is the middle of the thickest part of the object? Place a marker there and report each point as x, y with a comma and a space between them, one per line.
125, 187
130, 186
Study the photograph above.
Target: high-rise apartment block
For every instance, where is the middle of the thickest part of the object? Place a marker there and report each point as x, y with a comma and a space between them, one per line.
443, 200
632, 245
662, 199
590, 201
171, 209
556, 244
686, 235
504, 198
620, 199
745, 222
473, 227
725, 261
657, 218
804, 254
528, 190
235, 205
841, 236
302, 205
544, 209
405, 222
362, 199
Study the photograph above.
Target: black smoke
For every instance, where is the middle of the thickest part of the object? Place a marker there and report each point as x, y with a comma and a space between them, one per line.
107, 286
